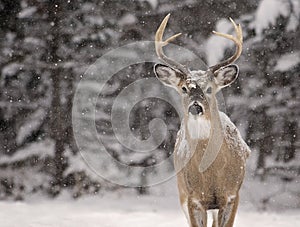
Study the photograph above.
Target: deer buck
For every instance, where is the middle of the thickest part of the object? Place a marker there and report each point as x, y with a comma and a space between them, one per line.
210, 154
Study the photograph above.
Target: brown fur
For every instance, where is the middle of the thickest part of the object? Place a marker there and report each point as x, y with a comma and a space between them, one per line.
212, 188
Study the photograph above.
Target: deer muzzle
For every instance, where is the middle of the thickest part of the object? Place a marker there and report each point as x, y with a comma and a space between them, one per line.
196, 109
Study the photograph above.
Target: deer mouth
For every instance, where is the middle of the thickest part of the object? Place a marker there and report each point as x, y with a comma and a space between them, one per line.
196, 109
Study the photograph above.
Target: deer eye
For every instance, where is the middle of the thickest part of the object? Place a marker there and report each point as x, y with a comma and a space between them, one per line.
208, 90
184, 90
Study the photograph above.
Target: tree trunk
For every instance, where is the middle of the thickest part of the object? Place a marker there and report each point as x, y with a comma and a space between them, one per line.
57, 122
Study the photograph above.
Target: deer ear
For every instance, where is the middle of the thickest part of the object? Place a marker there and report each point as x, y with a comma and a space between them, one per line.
226, 75
168, 76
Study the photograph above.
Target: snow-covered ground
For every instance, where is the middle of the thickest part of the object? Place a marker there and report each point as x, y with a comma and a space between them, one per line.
118, 210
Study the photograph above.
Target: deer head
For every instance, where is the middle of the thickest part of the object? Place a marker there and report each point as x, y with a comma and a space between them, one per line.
198, 89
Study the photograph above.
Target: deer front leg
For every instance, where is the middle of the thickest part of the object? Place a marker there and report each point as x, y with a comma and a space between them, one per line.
227, 214
197, 213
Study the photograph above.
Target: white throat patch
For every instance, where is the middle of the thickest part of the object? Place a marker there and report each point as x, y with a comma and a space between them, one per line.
199, 127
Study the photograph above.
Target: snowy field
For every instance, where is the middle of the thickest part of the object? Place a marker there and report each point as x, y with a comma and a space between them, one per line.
119, 210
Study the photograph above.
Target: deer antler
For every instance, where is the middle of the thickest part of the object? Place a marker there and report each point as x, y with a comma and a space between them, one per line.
159, 44
238, 40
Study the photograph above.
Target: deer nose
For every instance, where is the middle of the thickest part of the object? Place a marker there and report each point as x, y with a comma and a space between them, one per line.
195, 109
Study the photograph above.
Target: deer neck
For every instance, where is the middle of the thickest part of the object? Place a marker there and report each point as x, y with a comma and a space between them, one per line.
206, 132
216, 124
216, 137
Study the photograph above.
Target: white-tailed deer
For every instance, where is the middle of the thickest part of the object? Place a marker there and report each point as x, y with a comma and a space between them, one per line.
210, 154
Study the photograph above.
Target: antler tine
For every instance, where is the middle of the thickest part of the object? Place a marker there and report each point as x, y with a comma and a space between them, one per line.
238, 40
159, 44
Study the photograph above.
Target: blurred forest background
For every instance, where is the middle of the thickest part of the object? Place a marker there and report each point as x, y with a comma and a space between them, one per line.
46, 46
